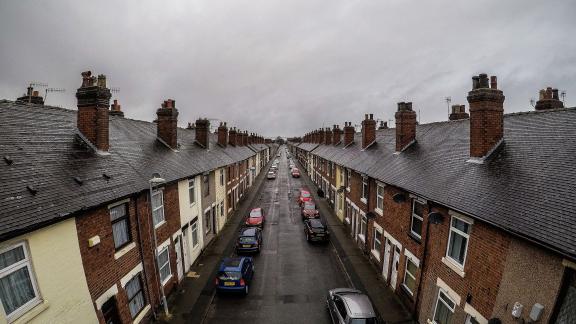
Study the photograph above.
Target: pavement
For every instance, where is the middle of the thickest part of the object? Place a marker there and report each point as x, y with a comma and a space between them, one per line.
292, 276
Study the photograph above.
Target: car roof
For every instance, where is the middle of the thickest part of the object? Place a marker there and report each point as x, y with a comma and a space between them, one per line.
315, 223
359, 305
248, 231
232, 264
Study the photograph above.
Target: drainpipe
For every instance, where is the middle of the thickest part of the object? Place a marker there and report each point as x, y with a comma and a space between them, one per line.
143, 258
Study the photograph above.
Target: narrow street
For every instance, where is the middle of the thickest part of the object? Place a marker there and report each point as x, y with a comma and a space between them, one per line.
292, 276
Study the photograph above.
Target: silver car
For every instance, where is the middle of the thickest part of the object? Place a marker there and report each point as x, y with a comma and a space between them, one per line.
350, 306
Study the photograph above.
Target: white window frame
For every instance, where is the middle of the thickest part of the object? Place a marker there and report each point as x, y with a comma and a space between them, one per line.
441, 291
194, 228
379, 209
348, 179
155, 208
376, 252
222, 180
363, 226
459, 232
414, 215
192, 187
24, 263
167, 250
364, 197
407, 273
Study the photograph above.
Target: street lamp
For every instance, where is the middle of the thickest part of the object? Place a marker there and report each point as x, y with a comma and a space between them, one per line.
157, 180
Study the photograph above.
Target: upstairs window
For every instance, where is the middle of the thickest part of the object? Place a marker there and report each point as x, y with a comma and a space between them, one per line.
164, 265
191, 191
458, 240
444, 309
206, 183
221, 177
18, 289
380, 197
120, 225
157, 207
364, 188
135, 294
417, 218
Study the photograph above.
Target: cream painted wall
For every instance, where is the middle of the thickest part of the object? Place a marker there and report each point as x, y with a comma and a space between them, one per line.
59, 274
221, 199
339, 195
187, 213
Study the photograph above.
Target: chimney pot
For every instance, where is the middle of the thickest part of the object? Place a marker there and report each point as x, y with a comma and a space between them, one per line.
493, 82
549, 99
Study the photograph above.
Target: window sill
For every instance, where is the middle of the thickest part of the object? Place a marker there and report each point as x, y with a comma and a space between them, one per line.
159, 224
347, 220
192, 204
31, 313
415, 238
362, 238
379, 211
456, 268
141, 315
166, 280
124, 250
406, 290
376, 254
363, 200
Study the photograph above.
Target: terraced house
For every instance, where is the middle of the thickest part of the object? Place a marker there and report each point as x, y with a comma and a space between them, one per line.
467, 220
103, 215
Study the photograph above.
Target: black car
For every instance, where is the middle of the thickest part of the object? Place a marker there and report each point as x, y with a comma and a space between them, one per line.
249, 240
316, 230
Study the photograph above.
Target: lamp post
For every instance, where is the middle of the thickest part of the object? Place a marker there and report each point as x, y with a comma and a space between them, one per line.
156, 180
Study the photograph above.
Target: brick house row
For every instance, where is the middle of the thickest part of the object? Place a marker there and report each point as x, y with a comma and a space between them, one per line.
103, 215
467, 221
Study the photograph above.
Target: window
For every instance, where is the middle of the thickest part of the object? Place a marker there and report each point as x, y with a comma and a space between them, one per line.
377, 244
340, 307
221, 177
444, 309
348, 178
222, 209
206, 180
471, 320
341, 176
18, 290
164, 265
135, 295
410, 276
194, 232
364, 188
380, 197
207, 222
363, 225
458, 240
417, 218
191, 191
120, 226
157, 207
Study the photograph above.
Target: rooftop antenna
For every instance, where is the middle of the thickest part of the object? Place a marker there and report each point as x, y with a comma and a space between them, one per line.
418, 116
52, 90
563, 96
114, 89
35, 84
532, 102
448, 101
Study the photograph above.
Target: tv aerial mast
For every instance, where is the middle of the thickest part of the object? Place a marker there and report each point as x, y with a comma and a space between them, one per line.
35, 84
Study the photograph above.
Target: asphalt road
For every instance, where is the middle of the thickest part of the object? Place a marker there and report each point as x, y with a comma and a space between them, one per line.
292, 276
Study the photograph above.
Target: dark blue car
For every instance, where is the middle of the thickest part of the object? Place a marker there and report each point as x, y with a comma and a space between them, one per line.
235, 275
249, 240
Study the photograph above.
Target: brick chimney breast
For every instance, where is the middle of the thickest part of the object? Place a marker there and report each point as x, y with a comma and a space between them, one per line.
202, 132
368, 130
549, 100
167, 126
93, 102
336, 135
239, 141
405, 126
328, 136
486, 116
348, 133
223, 134
115, 109
232, 136
458, 112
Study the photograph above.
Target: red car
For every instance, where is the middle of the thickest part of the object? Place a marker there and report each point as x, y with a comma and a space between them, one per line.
304, 197
295, 173
256, 218
309, 210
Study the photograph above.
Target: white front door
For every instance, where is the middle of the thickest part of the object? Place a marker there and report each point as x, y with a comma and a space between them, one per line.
386, 269
185, 248
395, 262
177, 247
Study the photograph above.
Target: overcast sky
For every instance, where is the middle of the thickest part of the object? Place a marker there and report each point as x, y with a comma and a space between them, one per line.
284, 67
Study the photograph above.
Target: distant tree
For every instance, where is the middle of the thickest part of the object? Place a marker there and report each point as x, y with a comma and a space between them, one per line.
279, 140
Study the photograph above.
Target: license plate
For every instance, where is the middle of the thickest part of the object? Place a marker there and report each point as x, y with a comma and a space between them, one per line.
229, 283
246, 245
319, 234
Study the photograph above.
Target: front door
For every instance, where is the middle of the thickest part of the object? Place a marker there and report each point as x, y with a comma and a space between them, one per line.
185, 247
178, 248
386, 269
110, 311
395, 262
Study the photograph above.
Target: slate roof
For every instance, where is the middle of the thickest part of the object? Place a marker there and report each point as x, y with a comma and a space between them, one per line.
40, 148
526, 187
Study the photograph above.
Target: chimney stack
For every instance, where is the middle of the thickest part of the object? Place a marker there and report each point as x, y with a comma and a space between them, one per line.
549, 99
232, 136
167, 126
31, 96
383, 125
368, 130
405, 126
203, 132
223, 134
486, 115
458, 112
115, 109
328, 136
348, 133
245, 138
336, 134
239, 141
93, 102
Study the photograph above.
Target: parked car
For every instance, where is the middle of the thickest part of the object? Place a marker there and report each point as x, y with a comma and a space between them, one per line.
295, 173
256, 217
235, 275
350, 306
249, 240
271, 175
309, 210
304, 197
316, 230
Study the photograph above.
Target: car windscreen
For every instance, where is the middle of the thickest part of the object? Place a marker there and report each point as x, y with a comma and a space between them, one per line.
305, 194
229, 275
247, 239
371, 320
256, 213
316, 224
